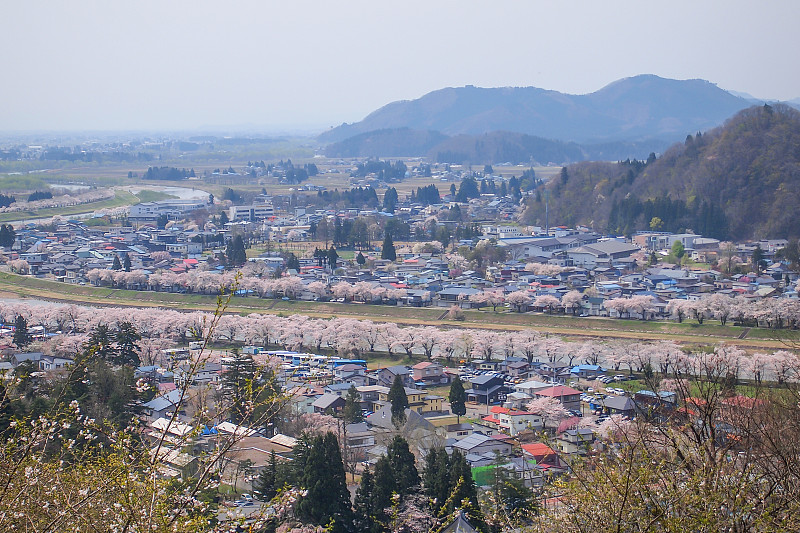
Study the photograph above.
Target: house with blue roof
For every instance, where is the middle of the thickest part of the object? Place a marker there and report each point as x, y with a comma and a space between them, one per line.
587, 371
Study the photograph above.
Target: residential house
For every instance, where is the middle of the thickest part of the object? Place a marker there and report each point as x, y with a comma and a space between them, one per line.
478, 443
328, 402
458, 431
487, 389
418, 400
385, 376
512, 421
544, 455
163, 406
575, 441
569, 397
429, 373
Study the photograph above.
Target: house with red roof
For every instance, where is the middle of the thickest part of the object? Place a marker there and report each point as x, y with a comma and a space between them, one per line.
512, 421
543, 454
569, 397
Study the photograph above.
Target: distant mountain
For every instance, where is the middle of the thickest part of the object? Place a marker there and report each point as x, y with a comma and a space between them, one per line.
641, 108
741, 180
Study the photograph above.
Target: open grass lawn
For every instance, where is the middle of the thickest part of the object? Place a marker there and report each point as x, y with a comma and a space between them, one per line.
572, 327
146, 195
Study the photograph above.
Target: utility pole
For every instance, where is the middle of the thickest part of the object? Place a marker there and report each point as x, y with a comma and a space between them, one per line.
547, 212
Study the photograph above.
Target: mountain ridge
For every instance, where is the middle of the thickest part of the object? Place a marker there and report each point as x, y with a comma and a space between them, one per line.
634, 109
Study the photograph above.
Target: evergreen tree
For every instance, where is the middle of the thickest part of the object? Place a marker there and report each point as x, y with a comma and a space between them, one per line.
116, 265
332, 257
22, 336
390, 200
758, 259
7, 235
360, 259
100, 343
462, 485
458, 399
352, 406
383, 488
387, 250
266, 485
436, 477
399, 401
292, 262
126, 263
401, 461
127, 352
364, 515
327, 500
238, 385
468, 189
235, 252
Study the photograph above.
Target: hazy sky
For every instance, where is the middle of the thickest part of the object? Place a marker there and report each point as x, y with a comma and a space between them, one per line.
168, 64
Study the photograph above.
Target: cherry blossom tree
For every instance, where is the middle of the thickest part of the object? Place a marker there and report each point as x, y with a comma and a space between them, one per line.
451, 342
527, 342
614, 427
550, 409
547, 302
429, 339
484, 344
643, 305
519, 300
572, 301
678, 309
342, 290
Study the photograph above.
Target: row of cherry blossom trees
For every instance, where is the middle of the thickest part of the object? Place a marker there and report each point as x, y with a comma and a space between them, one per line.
64, 200
748, 310
162, 328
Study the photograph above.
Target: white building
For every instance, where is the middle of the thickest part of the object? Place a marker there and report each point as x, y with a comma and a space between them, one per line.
251, 213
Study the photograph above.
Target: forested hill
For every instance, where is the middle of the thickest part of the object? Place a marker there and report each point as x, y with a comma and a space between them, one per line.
487, 148
738, 181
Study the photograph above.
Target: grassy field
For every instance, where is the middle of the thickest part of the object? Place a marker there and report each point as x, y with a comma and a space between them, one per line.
146, 195
12, 285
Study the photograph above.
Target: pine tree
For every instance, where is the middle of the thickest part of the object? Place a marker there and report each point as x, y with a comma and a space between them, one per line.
401, 461
352, 406
100, 343
327, 499
458, 399
387, 250
399, 401
238, 384
383, 488
22, 336
235, 252
332, 257
364, 515
126, 263
462, 485
360, 259
436, 477
127, 352
266, 486
116, 265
